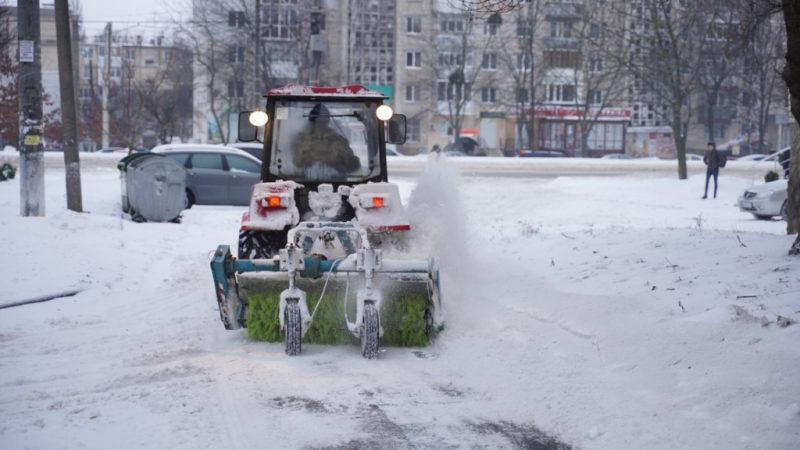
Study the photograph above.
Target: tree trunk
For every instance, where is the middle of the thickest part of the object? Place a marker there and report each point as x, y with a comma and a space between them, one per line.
791, 75
679, 139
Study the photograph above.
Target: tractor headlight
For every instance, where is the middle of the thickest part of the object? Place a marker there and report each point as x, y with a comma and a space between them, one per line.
258, 118
384, 112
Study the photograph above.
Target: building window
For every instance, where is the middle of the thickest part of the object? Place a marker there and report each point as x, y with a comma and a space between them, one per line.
561, 59
279, 21
236, 19
523, 95
317, 22
488, 95
447, 91
489, 61
524, 28
594, 31
412, 94
524, 61
235, 89
412, 130
413, 59
451, 25
562, 93
595, 64
490, 29
85, 93
413, 25
236, 54
130, 53
149, 62
596, 97
560, 29
450, 59
606, 136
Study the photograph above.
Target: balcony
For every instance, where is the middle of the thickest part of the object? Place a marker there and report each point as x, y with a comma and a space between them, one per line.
561, 43
563, 10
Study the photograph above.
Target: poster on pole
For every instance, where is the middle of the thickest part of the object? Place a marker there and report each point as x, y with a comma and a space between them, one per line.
26, 53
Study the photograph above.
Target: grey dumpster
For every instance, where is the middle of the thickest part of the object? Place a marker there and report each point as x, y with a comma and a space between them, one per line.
153, 187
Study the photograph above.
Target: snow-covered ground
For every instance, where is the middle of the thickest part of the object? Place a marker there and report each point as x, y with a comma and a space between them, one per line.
607, 312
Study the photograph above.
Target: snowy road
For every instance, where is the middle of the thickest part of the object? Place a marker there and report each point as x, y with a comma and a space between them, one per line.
608, 312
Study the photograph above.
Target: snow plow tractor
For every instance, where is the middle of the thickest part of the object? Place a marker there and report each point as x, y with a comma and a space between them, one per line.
321, 251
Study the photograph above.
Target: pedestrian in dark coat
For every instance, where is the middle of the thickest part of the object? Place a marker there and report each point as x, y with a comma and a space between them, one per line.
712, 160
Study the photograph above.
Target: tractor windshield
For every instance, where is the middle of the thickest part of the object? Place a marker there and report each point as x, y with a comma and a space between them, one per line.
324, 141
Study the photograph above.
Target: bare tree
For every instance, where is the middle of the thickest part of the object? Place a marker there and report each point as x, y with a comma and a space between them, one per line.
521, 60
167, 97
600, 80
721, 64
667, 41
455, 59
763, 87
238, 57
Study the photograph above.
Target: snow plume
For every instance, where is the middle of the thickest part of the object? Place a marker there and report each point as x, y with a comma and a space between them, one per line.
437, 218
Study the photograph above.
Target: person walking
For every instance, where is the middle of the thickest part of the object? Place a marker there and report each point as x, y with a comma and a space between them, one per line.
712, 161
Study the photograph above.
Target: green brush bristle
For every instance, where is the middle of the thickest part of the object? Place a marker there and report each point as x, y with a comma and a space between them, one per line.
402, 313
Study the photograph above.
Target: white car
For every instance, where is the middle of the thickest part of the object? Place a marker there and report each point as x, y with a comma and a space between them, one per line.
765, 201
753, 157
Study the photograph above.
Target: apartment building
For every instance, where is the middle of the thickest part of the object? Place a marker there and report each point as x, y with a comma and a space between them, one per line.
49, 52
526, 79
293, 41
140, 69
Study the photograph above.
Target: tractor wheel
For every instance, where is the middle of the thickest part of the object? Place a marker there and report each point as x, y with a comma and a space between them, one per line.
254, 244
293, 328
369, 334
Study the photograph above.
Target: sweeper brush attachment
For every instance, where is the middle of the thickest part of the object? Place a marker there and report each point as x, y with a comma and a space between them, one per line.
300, 297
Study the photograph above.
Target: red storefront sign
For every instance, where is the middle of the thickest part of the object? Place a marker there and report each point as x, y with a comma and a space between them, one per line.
572, 113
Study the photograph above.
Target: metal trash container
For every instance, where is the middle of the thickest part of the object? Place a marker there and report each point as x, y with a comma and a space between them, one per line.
153, 187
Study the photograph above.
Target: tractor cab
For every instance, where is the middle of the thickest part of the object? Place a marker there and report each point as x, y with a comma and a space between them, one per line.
320, 135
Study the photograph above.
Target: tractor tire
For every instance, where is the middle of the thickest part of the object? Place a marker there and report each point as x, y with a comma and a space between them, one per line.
293, 328
370, 332
255, 244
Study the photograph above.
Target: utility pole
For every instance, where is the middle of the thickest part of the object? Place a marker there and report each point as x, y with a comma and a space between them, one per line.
106, 86
257, 81
29, 91
69, 127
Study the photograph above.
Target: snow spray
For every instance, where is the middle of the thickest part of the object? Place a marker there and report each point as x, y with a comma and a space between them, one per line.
437, 218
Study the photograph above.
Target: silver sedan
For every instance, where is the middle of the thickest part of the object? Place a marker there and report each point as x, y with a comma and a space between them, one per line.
765, 201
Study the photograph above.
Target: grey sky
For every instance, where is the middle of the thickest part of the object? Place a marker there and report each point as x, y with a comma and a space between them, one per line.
146, 17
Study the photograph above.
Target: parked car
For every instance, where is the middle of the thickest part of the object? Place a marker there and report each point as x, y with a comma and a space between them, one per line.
391, 150
467, 146
255, 149
693, 157
528, 153
765, 201
755, 157
616, 156
217, 175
